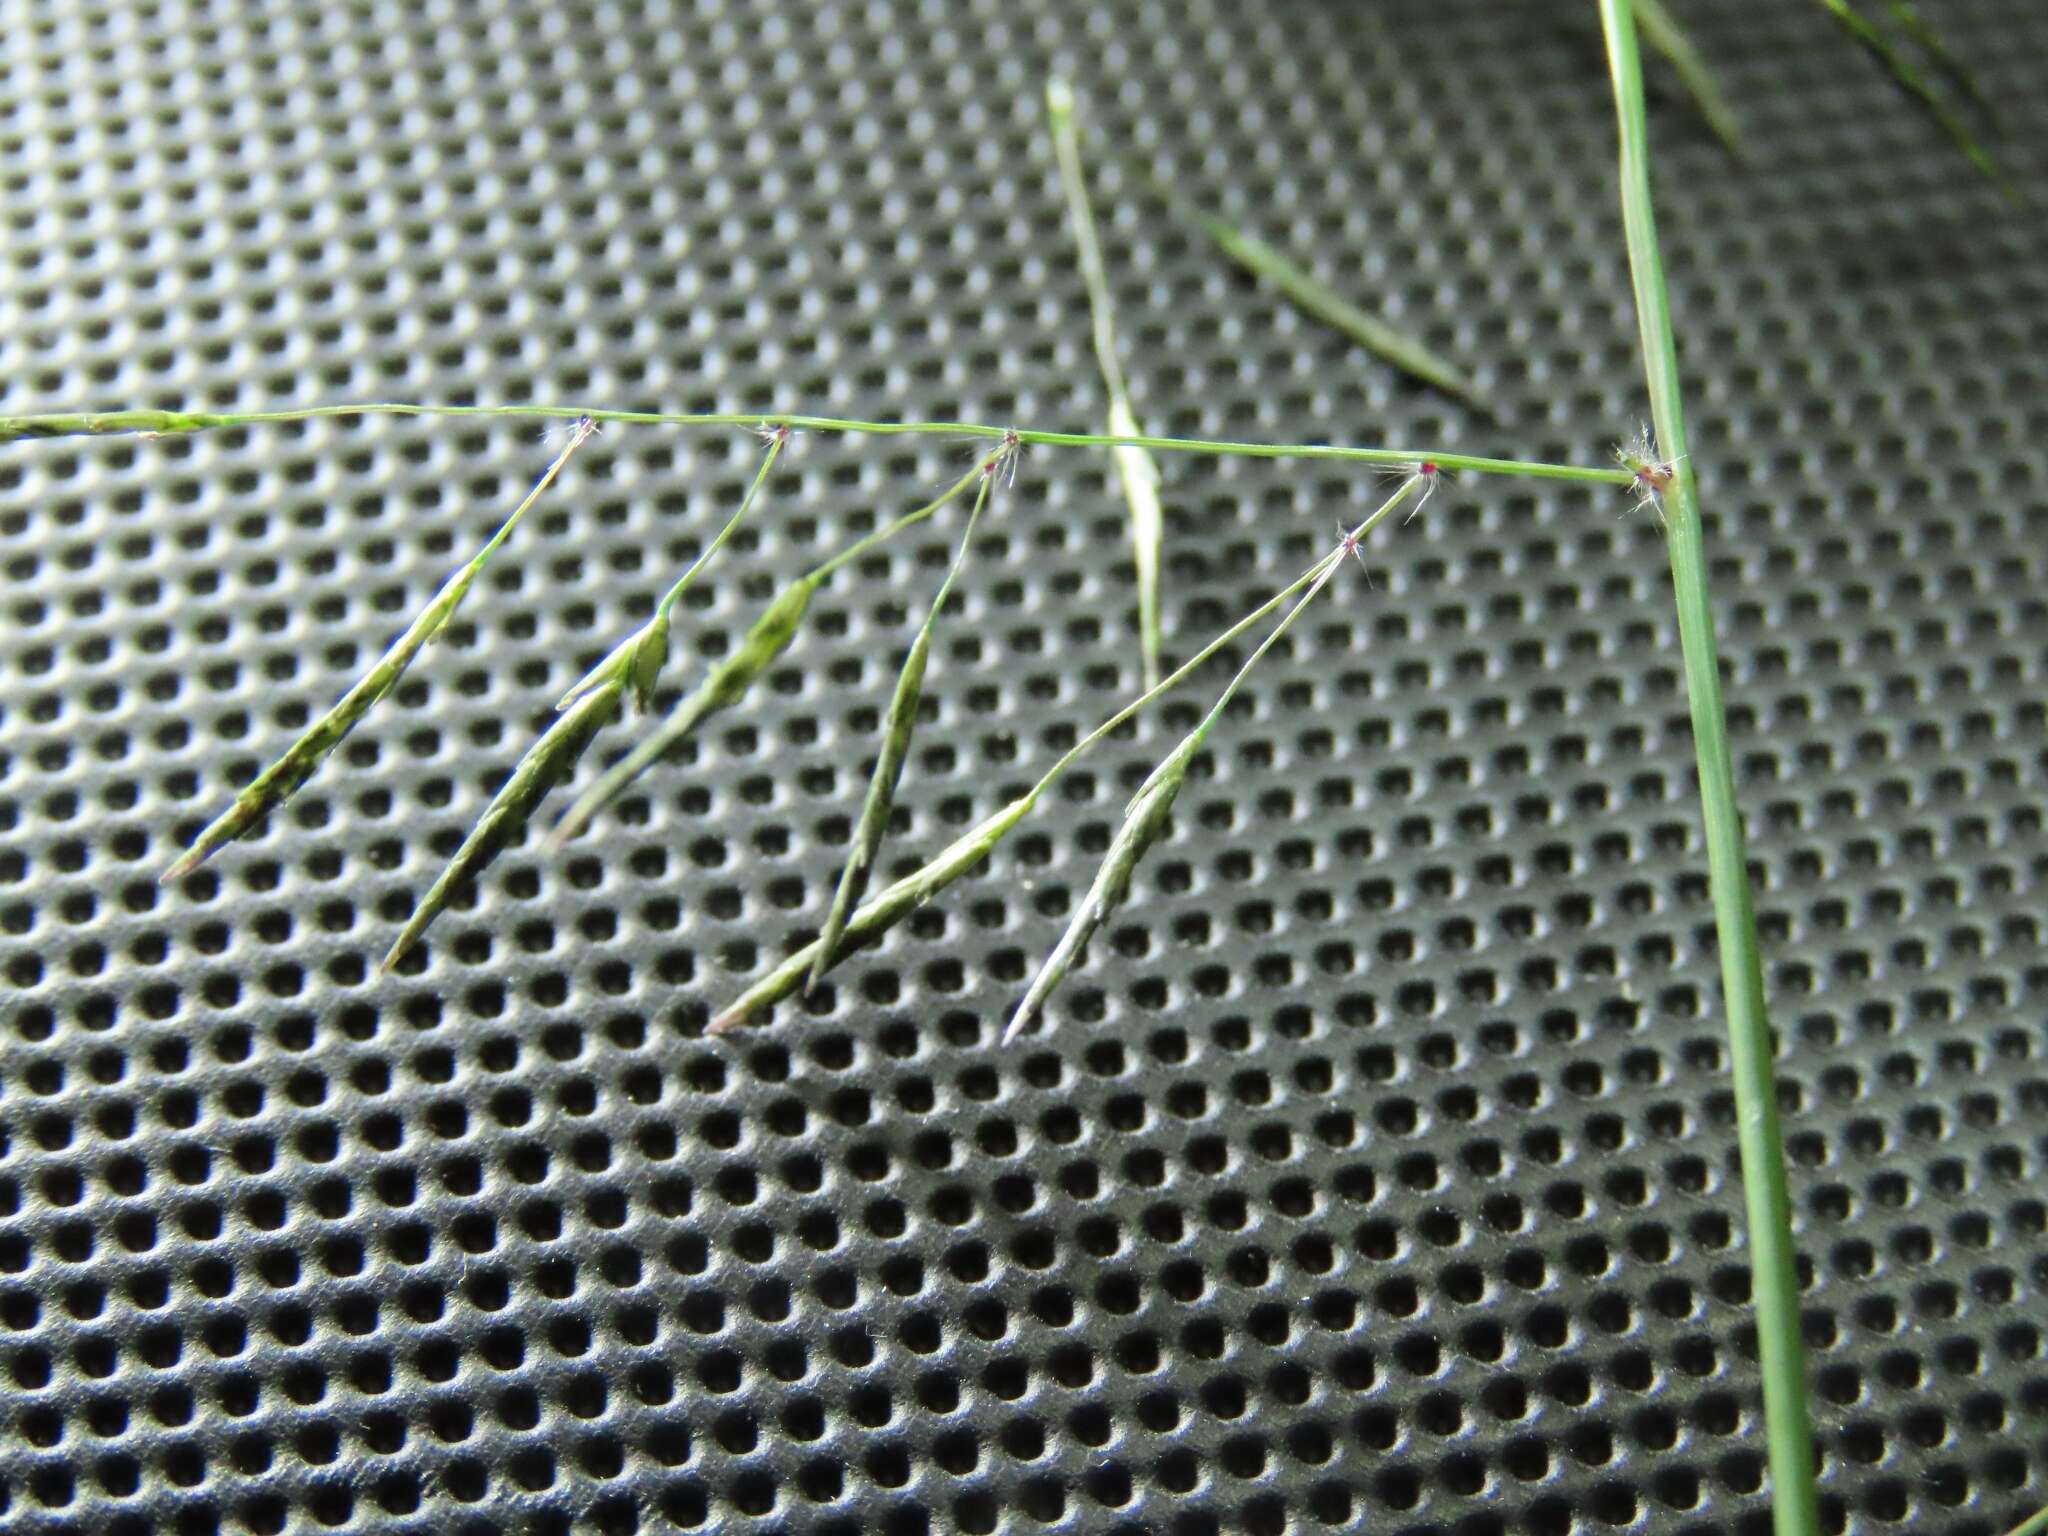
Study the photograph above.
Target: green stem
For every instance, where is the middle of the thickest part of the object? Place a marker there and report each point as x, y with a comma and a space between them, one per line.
2034, 1525
682, 583
166, 423
977, 475
1775, 1278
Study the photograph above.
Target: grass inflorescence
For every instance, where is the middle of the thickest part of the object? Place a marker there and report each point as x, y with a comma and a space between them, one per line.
1655, 466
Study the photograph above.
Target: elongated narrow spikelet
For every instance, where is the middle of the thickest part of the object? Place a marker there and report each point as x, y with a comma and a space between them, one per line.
1139, 472
1135, 467
1151, 804
770, 636
640, 657
282, 779
897, 729
879, 914
1146, 816
546, 763
1143, 825
726, 685
635, 661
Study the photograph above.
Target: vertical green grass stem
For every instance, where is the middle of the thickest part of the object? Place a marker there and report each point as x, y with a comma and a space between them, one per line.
1774, 1271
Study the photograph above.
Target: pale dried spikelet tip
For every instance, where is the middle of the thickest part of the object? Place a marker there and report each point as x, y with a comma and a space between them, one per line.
1143, 825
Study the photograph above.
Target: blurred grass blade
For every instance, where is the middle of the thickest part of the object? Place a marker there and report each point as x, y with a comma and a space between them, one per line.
546, 763
1906, 15
277, 783
2035, 1524
897, 729
1310, 295
727, 685
1135, 467
1774, 1267
1664, 33
1903, 70
642, 654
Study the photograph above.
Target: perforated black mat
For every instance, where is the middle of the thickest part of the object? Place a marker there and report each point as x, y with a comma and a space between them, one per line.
1380, 1173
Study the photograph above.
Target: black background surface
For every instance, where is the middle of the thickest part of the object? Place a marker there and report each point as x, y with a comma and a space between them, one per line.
1379, 1174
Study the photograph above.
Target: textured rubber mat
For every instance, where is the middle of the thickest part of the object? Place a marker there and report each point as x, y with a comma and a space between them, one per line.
1379, 1174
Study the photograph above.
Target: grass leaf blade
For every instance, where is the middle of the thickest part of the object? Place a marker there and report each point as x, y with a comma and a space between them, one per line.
1909, 78
1664, 33
546, 763
1315, 298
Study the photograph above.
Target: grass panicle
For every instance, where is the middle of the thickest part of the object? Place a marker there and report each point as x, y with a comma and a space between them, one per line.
1145, 818
546, 763
1663, 32
283, 778
898, 727
1136, 468
877, 915
1773, 1260
730, 680
640, 657
1915, 84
